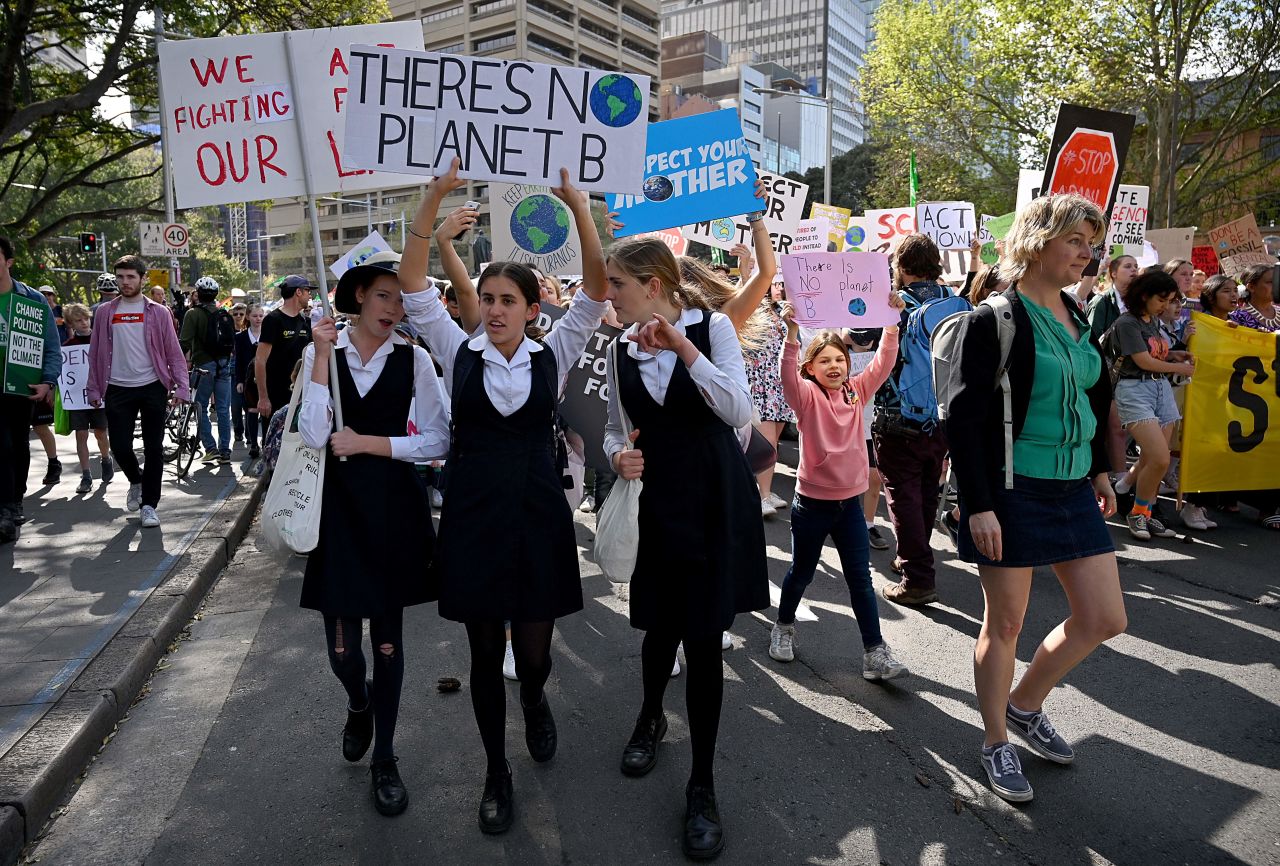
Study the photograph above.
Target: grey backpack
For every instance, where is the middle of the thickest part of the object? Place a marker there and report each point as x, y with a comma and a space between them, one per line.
945, 347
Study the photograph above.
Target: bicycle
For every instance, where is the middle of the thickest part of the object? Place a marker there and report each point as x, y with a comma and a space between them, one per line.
182, 437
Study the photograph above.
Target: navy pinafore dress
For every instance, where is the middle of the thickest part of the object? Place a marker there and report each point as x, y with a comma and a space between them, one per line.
507, 546
702, 553
376, 536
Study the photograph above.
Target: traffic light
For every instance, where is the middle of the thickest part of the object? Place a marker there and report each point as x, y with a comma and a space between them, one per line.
88, 242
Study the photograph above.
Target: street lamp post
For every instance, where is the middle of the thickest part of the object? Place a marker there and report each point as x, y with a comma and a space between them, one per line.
812, 100
262, 266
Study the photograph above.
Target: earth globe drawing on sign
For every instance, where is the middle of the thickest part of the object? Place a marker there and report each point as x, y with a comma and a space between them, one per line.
658, 188
615, 100
359, 255
540, 224
723, 229
858, 307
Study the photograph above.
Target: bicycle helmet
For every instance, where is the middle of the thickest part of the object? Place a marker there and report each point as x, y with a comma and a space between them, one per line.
207, 288
107, 283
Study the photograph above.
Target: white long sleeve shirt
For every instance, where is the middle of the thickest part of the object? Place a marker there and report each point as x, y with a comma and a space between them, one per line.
506, 382
429, 405
722, 378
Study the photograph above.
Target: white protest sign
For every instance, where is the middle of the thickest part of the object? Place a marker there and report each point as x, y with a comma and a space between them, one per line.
1128, 224
232, 123
1029, 180
374, 243
531, 225
507, 120
781, 216
951, 224
812, 235
164, 239
73, 383
887, 228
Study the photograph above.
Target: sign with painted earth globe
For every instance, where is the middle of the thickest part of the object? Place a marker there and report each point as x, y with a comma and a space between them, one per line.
616, 100
723, 230
540, 224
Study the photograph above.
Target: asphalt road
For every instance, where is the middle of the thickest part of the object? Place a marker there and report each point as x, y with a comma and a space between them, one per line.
233, 756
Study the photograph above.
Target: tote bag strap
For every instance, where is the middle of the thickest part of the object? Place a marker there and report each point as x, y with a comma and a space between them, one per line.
622, 410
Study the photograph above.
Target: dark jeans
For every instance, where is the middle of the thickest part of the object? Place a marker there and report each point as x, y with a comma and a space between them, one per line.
601, 485
15, 449
812, 520
237, 412
123, 407
912, 472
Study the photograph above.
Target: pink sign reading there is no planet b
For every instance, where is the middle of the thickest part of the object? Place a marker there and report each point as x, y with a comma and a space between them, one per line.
839, 290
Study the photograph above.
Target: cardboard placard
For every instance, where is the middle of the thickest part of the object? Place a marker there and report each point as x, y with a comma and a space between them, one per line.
782, 213
531, 225
839, 290
697, 168
506, 120
857, 235
1172, 243
73, 382
887, 228
1127, 227
1239, 244
21, 343
812, 235
950, 224
232, 127
839, 218
1029, 182
671, 237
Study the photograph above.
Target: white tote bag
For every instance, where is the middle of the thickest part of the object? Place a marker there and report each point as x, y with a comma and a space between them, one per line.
291, 508
618, 531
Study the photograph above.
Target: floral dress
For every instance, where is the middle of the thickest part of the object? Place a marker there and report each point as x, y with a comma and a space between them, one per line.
763, 375
1249, 316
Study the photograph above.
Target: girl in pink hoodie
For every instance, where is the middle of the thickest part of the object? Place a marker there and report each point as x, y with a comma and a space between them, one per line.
831, 480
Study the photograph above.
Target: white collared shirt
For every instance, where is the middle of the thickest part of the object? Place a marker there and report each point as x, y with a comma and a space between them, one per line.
722, 378
506, 382
428, 409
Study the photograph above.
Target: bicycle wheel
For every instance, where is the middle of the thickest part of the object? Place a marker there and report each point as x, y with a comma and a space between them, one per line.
172, 433
188, 441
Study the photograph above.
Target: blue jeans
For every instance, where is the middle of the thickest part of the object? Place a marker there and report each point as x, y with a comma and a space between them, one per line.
217, 384
812, 520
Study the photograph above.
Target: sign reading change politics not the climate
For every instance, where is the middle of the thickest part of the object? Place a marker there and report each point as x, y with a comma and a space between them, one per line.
236, 129
697, 168
506, 120
531, 225
21, 343
782, 212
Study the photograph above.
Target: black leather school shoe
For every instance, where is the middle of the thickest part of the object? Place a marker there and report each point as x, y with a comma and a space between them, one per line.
641, 752
703, 836
540, 731
358, 732
389, 794
497, 805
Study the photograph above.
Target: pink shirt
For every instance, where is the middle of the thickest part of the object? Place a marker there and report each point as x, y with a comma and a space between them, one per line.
833, 450
161, 345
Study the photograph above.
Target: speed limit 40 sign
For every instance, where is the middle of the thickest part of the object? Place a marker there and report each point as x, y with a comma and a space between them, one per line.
164, 239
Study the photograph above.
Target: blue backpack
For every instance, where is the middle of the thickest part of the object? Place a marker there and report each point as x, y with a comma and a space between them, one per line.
914, 383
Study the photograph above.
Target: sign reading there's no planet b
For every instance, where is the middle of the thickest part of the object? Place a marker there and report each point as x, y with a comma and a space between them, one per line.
839, 290
697, 168
506, 120
531, 225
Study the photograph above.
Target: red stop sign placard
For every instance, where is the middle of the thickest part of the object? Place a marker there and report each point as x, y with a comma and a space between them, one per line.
1089, 165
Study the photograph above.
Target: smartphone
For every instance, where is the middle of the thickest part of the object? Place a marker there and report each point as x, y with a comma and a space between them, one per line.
473, 205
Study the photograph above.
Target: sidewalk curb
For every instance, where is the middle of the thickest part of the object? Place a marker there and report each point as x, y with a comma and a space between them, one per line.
38, 771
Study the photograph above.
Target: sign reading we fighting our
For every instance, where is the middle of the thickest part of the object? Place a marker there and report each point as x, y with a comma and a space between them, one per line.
21, 343
697, 168
839, 290
233, 124
1231, 428
782, 213
507, 120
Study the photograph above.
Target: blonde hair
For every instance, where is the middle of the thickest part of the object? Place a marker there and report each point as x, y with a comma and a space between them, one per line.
1044, 220
75, 311
643, 259
717, 292
821, 341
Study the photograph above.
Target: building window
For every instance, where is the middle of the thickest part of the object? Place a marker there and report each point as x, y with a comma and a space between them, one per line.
754, 127
494, 43
442, 14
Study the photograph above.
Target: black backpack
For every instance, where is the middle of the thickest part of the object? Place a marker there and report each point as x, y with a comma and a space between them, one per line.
220, 333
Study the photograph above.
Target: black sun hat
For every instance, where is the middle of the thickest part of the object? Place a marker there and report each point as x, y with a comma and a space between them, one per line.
344, 299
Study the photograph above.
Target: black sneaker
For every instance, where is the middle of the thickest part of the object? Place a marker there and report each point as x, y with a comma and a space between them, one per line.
108, 471
1039, 733
8, 529
254, 453
54, 472
1004, 771
876, 538
224, 458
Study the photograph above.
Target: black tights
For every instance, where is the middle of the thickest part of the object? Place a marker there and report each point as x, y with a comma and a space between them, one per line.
704, 691
344, 636
531, 644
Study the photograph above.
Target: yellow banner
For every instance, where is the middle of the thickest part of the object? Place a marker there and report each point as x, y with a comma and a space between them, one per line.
1231, 432
839, 217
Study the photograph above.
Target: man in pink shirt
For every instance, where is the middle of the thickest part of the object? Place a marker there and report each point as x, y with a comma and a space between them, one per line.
136, 367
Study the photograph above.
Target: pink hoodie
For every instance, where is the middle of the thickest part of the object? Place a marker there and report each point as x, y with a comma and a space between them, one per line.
833, 452
162, 346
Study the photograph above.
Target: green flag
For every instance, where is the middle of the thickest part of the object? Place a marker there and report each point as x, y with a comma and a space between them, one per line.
915, 180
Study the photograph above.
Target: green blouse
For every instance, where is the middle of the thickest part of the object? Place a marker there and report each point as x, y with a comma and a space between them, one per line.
1056, 435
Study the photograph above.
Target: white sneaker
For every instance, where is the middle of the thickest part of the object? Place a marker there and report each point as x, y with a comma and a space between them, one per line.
509, 664
726, 642
776, 501
134, 500
878, 663
782, 642
150, 520
437, 498
1195, 518
588, 504
767, 508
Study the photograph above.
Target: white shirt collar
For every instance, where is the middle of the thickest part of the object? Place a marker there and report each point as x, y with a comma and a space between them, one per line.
344, 342
481, 343
691, 316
